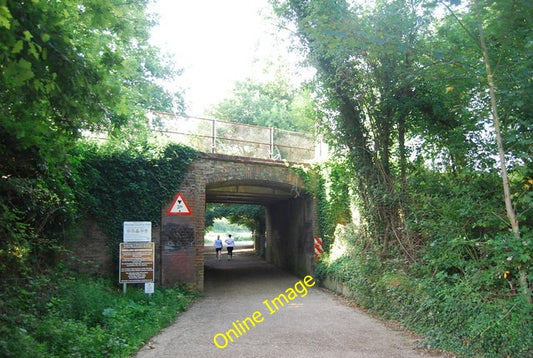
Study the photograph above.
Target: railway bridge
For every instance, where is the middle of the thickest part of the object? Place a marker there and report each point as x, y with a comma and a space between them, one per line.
241, 164
287, 240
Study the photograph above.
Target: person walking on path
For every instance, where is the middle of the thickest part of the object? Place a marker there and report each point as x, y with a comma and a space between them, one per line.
230, 243
218, 247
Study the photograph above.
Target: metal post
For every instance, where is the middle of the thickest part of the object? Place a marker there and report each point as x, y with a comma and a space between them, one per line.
271, 143
213, 136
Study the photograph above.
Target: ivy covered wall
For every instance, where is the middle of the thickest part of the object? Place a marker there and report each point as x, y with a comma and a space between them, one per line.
117, 185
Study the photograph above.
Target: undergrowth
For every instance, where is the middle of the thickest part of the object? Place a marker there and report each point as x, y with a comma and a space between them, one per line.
453, 311
79, 316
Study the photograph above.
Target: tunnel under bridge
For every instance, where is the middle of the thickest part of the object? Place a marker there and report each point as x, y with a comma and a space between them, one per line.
290, 224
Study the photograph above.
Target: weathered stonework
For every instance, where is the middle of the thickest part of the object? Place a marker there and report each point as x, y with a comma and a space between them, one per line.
91, 254
179, 239
220, 178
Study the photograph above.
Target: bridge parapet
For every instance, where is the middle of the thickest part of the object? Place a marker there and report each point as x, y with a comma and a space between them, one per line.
238, 139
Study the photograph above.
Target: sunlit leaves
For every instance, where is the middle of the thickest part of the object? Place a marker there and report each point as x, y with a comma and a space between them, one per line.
276, 103
66, 68
5, 15
19, 72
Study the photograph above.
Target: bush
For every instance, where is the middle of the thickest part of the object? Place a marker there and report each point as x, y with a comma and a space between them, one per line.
84, 317
460, 295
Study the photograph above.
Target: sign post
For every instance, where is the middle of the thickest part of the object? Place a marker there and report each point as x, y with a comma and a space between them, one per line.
137, 254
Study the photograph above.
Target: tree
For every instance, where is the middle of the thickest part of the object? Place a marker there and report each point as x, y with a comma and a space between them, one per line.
506, 45
66, 68
270, 103
385, 78
366, 58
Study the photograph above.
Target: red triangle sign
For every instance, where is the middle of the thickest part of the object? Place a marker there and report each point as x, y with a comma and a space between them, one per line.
179, 206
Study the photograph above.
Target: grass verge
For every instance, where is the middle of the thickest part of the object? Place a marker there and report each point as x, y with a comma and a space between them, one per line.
79, 316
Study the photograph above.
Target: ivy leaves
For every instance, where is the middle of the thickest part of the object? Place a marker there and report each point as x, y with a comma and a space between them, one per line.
66, 67
121, 184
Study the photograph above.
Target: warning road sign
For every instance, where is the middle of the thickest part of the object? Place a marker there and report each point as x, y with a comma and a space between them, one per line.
179, 206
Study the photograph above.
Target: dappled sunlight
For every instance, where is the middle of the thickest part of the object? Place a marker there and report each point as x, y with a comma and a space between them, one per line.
20, 252
341, 244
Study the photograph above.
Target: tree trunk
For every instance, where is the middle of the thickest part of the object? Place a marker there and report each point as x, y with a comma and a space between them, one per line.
511, 214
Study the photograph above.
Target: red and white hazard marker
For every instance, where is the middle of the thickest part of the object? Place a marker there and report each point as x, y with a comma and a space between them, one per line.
318, 247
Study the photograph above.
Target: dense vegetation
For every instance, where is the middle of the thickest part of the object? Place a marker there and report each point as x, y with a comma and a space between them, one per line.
425, 113
462, 290
67, 68
425, 206
128, 184
83, 317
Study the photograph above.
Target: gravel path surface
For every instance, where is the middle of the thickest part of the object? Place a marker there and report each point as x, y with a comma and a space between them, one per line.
316, 324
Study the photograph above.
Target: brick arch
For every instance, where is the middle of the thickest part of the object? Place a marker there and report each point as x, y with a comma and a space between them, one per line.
227, 179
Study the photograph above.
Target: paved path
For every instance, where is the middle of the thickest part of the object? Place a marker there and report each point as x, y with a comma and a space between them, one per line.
317, 325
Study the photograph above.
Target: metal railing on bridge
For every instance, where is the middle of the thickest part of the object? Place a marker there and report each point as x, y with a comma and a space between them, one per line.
216, 136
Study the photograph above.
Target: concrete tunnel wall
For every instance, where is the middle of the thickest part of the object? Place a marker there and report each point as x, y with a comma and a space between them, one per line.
288, 241
289, 235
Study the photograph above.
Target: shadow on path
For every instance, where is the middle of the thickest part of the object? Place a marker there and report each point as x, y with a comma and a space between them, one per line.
315, 324
244, 272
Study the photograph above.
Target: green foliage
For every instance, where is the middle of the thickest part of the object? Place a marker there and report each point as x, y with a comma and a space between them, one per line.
463, 292
394, 82
275, 104
326, 182
129, 184
65, 68
455, 315
371, 94
82, 317
36, 210
403, 96
249, 216
462, 312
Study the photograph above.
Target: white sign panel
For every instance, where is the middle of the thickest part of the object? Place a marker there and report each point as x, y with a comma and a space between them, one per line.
148, 287
137, 231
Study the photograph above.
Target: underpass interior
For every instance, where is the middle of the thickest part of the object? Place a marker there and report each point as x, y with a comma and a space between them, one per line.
284, 238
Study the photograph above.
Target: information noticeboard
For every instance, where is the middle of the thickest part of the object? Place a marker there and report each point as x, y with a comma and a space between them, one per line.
137, 231
136, 262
